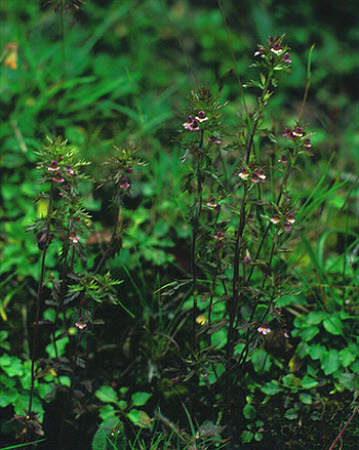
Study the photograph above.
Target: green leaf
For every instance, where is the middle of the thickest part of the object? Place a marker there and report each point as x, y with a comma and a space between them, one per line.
107, 394
291, 414
317, 351
309, 333
8, 397
246, 436
107, 412
270, 388
249, 411
308, 382
261, 360
333, 325
331, 362
305, 398
11, 365
314, 318
140, 398
139, 418
347, 357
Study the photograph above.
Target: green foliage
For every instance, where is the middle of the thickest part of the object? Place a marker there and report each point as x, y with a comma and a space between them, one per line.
126, 275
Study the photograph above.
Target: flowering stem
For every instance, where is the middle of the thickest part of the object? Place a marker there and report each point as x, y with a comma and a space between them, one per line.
38, 299
258, 115
198, 201
234, 300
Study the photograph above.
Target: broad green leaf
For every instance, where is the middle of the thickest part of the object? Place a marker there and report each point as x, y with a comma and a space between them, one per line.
139, 418
261, 360
107, 412
140, 398
11, 365
308, 382
309, 333
331, 362
270, 388
107, 394
317, 351
246, 436
333, 325
347, 357
305, 398
249, 411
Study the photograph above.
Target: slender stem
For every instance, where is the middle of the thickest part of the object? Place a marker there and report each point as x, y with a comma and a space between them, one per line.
344, 428
235, 288
259, 115
110, 244
38, 299
198, 201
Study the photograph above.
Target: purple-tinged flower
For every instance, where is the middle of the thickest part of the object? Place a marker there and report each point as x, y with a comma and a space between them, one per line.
191, 124
58, 178
124, 184
244, 174
66, 188
287, 226
286, 58
70, 171
298, 132
283, 159
247, 259
259, 51
201, 116
219, 236
263, 329
290, 218
261, 175
250, 217
213, 204
278, 310
288, 133
214, 140
80, 324
276, 48
53, 166
275, 219
307, 143
74, 237
255, 178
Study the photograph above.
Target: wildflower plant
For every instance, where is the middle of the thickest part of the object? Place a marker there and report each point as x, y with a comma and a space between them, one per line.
242, 218
77, 287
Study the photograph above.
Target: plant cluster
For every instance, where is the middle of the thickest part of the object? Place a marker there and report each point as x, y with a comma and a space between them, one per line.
199, 331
